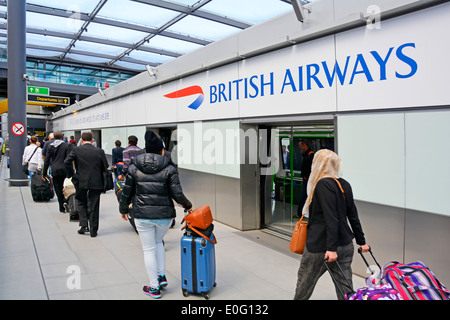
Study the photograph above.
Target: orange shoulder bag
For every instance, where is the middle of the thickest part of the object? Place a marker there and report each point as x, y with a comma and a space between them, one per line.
200, 218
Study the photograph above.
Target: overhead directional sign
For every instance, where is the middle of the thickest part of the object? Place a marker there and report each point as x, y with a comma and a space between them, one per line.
48, 99
38, 90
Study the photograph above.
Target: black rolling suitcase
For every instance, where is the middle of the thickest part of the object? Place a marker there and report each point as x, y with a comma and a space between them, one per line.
41, 190
73, 213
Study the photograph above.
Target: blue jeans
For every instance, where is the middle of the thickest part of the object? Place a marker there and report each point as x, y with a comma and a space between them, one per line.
151, 233
30, 173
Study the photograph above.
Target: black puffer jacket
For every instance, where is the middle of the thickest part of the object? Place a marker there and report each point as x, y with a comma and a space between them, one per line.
151, 184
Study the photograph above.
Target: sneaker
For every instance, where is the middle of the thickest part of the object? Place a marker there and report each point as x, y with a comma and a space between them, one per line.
162, 281
152, 292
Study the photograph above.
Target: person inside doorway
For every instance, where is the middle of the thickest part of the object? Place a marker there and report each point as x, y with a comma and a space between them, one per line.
308, 156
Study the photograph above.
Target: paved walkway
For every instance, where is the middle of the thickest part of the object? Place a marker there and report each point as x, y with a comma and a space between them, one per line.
41, 252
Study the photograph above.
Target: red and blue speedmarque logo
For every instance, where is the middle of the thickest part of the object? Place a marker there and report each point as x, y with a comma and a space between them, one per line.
189, 91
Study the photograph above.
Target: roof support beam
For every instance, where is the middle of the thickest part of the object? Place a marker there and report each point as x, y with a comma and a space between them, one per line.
91, 54
194, 11
111, 22
195, 7
84, 27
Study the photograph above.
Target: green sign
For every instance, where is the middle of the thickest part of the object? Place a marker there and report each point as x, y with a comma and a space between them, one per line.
38, 90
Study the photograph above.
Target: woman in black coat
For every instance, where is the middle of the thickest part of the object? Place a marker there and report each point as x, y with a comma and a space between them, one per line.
328, 207
151, 184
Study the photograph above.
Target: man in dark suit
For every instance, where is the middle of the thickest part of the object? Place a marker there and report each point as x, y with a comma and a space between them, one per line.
90, 165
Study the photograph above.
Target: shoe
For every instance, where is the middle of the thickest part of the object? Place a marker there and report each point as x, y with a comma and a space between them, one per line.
93, 235
83, 230
66, 206
152, 292
162, 281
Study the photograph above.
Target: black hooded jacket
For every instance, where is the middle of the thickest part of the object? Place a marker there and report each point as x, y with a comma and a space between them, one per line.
151, 184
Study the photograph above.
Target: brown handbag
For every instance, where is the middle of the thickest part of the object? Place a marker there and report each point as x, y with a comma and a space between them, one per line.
298, 239
200, 218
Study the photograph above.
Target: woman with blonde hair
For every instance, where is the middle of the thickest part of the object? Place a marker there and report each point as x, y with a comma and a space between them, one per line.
329, 207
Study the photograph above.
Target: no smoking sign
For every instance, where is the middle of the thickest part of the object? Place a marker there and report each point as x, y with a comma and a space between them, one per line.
18, 129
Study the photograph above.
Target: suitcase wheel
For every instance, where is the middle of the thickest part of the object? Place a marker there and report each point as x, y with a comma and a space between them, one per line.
185, 292
205, 295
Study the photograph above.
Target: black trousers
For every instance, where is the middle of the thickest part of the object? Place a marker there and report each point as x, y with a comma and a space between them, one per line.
88, 201
58, 185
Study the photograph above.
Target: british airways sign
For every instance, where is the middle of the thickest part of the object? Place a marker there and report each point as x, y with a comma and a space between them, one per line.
369, 67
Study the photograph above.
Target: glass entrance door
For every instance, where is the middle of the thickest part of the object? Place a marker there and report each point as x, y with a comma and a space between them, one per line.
282, 191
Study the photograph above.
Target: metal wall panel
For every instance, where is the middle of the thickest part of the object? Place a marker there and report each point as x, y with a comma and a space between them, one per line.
403, 235
222, 194
383, 228
426, 239
228, 201
250, 185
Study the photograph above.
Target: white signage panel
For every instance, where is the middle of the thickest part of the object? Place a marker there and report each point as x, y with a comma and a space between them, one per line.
289, 81
404, 63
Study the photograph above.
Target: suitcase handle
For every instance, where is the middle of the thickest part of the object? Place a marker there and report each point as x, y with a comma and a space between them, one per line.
365, 261
325, 261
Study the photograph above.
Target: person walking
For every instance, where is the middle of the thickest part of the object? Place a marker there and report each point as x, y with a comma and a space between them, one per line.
117, 158
129, 153
151, 184
33, 155
90, 166
328, 208
57, 152
308, 156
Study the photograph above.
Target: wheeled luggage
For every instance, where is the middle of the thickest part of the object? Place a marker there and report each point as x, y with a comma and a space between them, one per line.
375, 291
73, 213
41, 190
414, 281
198, 265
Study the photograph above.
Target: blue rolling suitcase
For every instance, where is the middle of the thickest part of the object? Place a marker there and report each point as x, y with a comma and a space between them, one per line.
198, 265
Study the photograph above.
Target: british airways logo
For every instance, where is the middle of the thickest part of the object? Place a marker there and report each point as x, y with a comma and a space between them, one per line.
189, 91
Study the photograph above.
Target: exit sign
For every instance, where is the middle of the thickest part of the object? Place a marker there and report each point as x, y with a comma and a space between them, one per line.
38, 90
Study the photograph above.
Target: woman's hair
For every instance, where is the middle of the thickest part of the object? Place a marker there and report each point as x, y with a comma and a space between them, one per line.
326, 164
33, 139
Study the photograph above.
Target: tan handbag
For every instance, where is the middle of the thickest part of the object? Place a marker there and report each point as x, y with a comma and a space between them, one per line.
200, 218
298, 239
